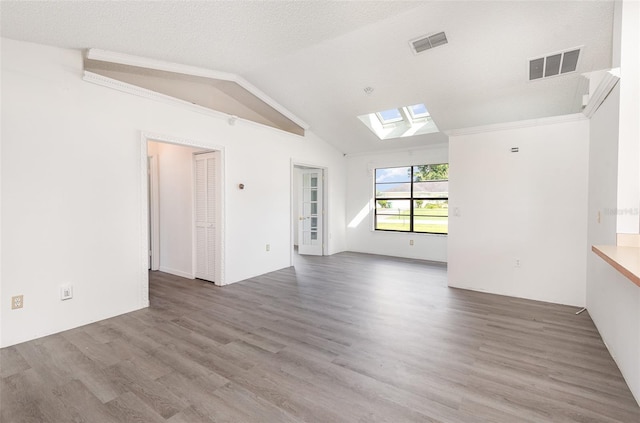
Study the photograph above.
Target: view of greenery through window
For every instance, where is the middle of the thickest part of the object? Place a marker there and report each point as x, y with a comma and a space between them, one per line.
413, 198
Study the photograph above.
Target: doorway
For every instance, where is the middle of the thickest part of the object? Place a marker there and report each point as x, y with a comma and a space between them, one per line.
171, 237
309, 210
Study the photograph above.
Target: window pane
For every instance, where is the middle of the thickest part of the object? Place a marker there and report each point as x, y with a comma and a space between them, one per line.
309, 209
393, 215
398, 207
431, 172
431, 216
433, 225
390, 116
393, 223
393, 174
418, 110
431, 208
431, 189
393, 190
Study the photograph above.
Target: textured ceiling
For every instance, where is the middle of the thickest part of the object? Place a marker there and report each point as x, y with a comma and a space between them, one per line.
229, 36
316, 57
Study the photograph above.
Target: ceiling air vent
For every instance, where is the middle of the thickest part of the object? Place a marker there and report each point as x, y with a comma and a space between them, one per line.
554, 64
425, 43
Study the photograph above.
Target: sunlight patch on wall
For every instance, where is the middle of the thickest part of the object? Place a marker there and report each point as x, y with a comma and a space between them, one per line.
364, 212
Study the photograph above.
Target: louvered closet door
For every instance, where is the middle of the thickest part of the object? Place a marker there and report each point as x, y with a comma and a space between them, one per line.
205, 215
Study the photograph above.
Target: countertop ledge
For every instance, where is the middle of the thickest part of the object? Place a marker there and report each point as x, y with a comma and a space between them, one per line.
625, 260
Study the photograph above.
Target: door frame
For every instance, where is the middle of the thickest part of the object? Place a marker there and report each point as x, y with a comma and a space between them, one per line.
325, 203
145, 137
154, 211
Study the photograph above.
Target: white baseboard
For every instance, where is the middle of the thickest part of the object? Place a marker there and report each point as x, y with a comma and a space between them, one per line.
177, 272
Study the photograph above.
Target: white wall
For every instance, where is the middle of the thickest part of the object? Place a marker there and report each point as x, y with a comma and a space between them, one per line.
629, 125
360, 234
603, 179
528, 206
73, 207
175, 182
1, 207
612, 300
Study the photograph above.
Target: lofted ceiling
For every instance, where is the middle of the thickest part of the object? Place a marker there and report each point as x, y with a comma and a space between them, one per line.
317, 57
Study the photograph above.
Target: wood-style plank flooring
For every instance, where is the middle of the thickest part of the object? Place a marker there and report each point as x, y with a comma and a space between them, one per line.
346, 338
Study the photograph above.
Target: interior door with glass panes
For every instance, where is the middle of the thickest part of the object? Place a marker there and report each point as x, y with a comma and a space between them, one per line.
310, 213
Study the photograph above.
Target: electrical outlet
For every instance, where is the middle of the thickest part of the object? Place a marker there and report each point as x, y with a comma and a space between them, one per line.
268, 247
17, 302
66, 292
410, 242
516, 263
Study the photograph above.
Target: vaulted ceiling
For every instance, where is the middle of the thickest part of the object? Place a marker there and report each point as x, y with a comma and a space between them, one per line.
316, 57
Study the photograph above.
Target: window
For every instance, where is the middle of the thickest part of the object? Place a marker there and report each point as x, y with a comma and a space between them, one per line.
408, 114
418, 111
389, 116
412, 199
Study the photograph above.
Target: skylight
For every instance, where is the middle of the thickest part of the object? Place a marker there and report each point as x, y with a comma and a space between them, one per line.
418, 111
389, 116
400, 122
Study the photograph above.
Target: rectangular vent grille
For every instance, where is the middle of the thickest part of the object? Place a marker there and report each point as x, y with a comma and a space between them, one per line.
425, 43
554, 64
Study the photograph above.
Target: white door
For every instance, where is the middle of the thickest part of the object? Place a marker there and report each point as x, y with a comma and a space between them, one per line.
205, 215
310, 213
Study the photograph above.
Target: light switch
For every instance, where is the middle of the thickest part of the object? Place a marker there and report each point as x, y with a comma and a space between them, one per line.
66, 292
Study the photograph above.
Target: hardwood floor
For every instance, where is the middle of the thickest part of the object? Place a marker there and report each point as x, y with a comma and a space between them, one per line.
346, 338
